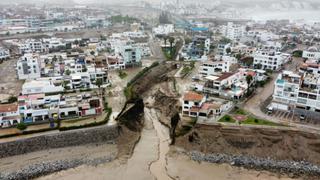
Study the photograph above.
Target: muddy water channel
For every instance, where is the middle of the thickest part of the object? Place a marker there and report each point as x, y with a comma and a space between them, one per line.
159, 167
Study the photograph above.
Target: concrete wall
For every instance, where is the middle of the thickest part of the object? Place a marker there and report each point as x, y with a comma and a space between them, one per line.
58, 140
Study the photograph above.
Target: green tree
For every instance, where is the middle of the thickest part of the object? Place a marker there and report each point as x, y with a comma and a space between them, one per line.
249, 79
84, 69
54, 59
92, 53
60, 59
68, 72
12, 99
238, 56
21, 126
228, 50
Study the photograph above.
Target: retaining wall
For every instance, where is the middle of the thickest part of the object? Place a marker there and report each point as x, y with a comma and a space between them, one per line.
58, 140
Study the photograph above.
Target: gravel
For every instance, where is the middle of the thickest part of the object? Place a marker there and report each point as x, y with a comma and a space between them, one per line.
44, 168
293, 168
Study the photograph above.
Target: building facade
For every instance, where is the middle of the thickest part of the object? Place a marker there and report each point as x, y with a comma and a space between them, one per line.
28, 67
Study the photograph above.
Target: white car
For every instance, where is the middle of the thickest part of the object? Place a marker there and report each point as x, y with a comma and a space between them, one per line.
302, 117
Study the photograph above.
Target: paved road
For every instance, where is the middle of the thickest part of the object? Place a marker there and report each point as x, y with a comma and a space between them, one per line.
155, 48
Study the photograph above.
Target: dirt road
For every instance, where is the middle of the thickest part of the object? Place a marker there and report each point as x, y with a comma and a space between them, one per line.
9, 84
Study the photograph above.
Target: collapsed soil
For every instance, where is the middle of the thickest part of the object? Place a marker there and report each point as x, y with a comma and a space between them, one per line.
268, 142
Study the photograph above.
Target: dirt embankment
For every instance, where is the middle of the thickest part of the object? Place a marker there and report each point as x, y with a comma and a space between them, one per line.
155, 75
131, 118
259, 142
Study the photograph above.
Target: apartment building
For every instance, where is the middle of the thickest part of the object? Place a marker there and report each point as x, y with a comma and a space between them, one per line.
233, 31
131, 55
28, 67
298, 93
31, 46
222, 48
199, 47
270, 60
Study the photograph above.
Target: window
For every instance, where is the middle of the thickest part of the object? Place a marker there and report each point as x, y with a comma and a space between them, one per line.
311, 96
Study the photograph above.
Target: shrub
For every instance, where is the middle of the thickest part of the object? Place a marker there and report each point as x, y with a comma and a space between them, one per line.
12, 99
122, 74
256, 121
21, 126
227, 118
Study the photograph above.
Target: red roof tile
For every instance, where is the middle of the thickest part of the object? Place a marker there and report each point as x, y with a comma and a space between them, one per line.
8, 107
192, 96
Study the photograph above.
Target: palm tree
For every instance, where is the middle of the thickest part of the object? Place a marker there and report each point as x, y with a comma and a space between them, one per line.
171, 41
249, 79
60, 59
99, 84
76, 42
165, 40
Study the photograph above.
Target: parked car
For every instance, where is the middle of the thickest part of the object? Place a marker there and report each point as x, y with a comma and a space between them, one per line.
302, 117
270, 109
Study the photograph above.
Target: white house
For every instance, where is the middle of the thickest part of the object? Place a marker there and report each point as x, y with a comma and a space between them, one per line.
31, 46
311, 53
28, 67
228, 85
192, 102
211, 68
270, 60
40, 86
9, 115
163, 29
